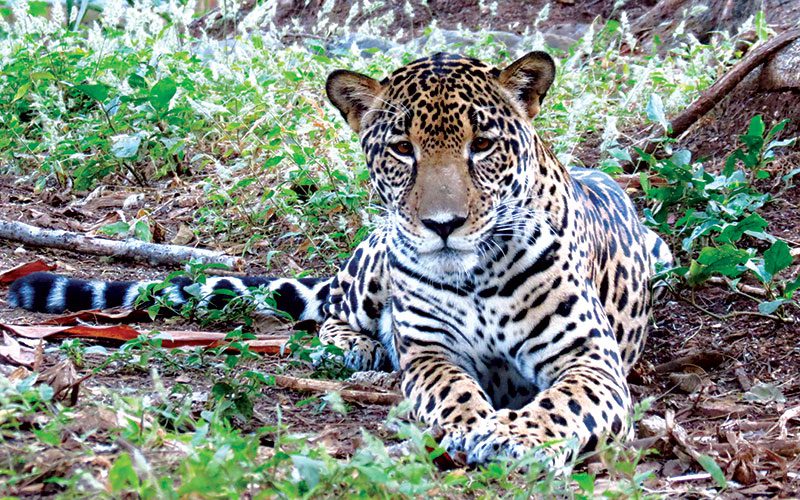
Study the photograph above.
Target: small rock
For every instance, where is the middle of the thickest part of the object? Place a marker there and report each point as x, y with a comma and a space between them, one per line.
674, 468
20, 251
652, 426
133, 201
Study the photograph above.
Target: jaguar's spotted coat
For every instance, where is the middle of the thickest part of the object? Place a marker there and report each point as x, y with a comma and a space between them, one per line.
512, 293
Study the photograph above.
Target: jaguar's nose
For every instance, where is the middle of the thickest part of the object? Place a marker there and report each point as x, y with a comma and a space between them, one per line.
444, 228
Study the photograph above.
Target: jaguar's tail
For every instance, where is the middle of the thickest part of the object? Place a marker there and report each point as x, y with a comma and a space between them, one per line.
303, 299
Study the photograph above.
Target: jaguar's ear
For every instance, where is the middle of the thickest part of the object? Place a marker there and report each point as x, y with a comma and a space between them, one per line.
352, 94
528, 79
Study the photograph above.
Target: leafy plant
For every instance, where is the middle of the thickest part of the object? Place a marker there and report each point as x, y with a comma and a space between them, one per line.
715, 214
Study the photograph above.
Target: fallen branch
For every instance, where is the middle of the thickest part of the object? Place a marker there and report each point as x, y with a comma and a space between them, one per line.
153, 253
712, 95
742, 287
343, 388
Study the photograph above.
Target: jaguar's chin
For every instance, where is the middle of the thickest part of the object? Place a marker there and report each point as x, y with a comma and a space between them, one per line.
448, 262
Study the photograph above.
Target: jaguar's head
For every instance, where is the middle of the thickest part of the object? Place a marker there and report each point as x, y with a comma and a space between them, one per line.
448, 142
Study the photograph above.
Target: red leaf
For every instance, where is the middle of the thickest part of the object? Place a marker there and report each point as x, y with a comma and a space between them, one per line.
444, 461
266, 344
22, 270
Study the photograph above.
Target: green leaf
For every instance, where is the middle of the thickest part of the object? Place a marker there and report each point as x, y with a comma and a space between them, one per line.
620, 154
777, 257
336, 403
97, 91
791, 287
655, 111
309, 469
771, 306
42, 75
761, 25
46, 392
682, 158
39, 9
137, 82
273, 161
121, 475
141, 230
195, 290
756, 128
115, 229
757, 266
777, 129
724, 260
786, 178
585, 482
162, 93
125, 145
712, 468
733, 232
48, 437
765, 393
22, 91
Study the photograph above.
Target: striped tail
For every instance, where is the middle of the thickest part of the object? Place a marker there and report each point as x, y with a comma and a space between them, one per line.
303, 299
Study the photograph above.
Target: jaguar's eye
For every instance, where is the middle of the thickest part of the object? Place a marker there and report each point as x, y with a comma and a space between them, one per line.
481, 144
403, 148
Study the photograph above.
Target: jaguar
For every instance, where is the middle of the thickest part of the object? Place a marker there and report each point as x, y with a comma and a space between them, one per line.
511, 293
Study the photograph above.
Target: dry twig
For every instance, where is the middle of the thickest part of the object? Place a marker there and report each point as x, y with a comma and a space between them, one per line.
344, 389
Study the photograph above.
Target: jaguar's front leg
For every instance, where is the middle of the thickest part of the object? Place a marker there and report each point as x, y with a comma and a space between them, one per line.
587, 405
361, 352
444, 396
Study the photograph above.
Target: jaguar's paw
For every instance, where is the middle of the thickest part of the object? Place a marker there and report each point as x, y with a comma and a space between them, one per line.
493, 438
365, 355
358, 354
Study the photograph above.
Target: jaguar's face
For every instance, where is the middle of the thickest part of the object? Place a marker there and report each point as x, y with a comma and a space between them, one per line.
448, 142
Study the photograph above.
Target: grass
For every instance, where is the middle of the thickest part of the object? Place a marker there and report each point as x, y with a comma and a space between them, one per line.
133, 100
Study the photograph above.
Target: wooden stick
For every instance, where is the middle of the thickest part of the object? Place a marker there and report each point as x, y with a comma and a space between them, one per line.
153, 253
354, 395
724, 85
744, 288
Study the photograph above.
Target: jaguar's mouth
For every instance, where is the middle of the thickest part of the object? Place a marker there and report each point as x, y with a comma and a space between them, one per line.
448, 261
